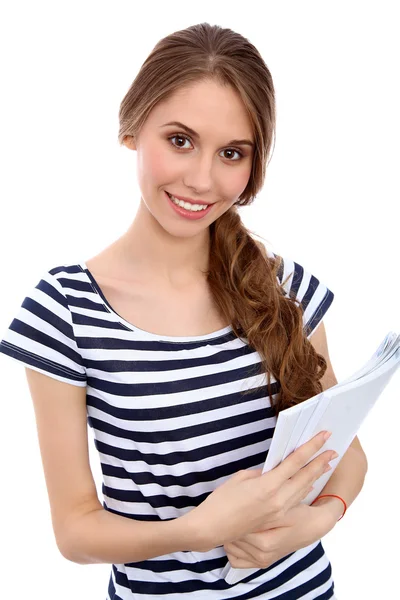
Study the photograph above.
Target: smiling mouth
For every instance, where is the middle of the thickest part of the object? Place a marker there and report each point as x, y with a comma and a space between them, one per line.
178, 202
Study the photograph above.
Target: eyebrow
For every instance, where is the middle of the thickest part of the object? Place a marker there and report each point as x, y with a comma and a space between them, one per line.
196, 135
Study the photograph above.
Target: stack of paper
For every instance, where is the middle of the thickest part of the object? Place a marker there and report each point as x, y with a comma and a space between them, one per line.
340, 409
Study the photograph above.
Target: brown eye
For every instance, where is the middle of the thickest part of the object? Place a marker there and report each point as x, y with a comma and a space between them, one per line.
181, 137
178, 137
232, 150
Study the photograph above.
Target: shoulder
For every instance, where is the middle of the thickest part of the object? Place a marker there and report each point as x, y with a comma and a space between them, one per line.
56, 288
67, 279
65, 272
41, 334
305, 287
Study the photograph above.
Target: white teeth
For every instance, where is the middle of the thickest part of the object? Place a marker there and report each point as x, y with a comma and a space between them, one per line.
188, 205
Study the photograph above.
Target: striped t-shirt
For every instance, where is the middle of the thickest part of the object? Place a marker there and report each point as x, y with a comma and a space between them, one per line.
170, 422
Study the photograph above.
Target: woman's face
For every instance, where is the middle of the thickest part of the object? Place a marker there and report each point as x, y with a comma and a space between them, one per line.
207, 167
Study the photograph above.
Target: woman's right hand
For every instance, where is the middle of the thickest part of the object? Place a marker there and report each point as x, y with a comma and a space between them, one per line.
249, 501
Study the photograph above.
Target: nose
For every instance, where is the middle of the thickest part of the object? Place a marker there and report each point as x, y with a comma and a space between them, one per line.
198, 174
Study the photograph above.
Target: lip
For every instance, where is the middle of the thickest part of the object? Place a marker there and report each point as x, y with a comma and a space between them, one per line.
192, 216
189, 199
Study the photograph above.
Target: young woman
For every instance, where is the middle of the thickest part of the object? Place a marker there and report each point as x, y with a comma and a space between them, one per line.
179, 344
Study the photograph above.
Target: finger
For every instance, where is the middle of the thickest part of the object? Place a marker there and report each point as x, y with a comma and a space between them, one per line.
298, 459
239, 563
298, 487
242, 549
300, 496
234, 549
239, 558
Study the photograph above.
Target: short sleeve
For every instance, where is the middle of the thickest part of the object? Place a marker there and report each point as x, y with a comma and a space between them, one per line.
313, 295
41, 336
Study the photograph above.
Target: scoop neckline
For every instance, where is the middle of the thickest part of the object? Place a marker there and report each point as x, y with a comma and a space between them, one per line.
149, 334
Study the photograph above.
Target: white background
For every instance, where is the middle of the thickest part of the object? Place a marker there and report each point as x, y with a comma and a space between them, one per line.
330, 202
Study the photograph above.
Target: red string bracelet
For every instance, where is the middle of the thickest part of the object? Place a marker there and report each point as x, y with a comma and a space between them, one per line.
333, 496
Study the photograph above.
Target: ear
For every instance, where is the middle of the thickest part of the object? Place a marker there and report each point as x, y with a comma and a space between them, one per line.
129, 142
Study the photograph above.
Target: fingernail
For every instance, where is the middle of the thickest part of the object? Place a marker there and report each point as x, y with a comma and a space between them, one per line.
327, 468
327, 435
334, 455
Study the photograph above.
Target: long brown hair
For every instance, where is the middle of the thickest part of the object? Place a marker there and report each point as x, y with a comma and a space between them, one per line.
243, 280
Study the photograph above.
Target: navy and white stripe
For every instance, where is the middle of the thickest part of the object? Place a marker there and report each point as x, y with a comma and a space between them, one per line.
170, 422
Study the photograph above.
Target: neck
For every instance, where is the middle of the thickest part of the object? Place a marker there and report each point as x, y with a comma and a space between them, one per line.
151, 250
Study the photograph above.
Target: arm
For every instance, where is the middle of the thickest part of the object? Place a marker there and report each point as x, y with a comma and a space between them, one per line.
348, 478
85, 532
99, 536
347, 481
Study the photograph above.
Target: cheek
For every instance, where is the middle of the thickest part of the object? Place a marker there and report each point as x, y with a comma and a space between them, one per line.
237, 181
152, 164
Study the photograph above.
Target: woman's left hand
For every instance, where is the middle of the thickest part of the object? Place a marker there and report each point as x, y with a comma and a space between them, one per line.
301, 526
